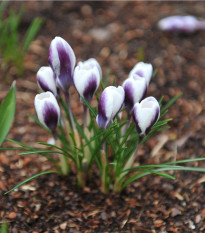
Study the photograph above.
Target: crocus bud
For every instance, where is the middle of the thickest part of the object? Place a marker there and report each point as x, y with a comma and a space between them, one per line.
87, 79
47, 109
110, 103
62, 61
46, 79
135, 88
145, 114
144, 70
92, 62
177, 23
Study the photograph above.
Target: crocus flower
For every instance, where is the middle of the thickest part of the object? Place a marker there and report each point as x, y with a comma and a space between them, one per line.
87, 78
144, 70
47, 109
145, 114
111, 101
62, 61
135, 88
177, 23
46, 79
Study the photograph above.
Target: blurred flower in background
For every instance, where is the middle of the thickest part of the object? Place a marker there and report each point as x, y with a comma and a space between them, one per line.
177, 23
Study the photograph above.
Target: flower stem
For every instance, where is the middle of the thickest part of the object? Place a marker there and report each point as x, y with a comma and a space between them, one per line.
104, 188
63, 159
85, 116
129, 116
81, 179
67, 98
129, 163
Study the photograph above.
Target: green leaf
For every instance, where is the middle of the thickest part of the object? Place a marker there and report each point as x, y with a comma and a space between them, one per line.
29, 179
31, 33
174, 99
4, 227
171, 168
89, 106
7, 111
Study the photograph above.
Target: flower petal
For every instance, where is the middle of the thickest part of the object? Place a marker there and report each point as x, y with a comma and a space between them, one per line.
46, 79
144, 70
135, 89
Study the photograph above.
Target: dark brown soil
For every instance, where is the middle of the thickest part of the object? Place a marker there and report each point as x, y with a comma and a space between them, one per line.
117, 34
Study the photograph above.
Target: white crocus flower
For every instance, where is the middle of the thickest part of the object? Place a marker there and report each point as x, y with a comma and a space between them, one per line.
110, 103
145, 114
47, 109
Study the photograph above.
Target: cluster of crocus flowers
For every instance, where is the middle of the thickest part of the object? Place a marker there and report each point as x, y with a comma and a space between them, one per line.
59, 76
145, 111
56, 79
178, 23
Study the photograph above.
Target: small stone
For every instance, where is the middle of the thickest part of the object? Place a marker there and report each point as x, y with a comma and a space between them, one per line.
158, 223
63, 226
175, 212
198, 218
12, 215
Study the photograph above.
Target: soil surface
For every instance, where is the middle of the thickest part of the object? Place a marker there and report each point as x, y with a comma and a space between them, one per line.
118, 35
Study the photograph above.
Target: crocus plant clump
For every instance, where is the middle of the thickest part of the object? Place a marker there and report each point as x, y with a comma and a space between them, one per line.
109, 137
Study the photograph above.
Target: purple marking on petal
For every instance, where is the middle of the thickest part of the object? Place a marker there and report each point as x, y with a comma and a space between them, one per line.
102, 122
102, 119
50, 115
129, 98
90, 88
44, 86
66, 69
136, 120
139, 73
153, 121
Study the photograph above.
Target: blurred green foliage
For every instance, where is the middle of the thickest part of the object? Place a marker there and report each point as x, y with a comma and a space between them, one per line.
13, 47
4, 227
7, 111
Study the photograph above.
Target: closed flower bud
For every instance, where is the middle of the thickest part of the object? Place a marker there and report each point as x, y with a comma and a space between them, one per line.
144, 70
62, 61
145, 114
135, 88
46, 80
177, 23
87, 78
110, 103
47, 110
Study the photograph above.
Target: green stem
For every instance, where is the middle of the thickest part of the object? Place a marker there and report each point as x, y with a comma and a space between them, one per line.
119, 180
81, 179
62, 158
67, 98
104, 187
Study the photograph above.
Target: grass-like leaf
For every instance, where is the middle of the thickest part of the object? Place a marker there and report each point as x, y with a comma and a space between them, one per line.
7, 111
29, 179
172, 101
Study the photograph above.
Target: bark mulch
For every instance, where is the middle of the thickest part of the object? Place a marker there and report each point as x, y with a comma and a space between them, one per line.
117, 34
